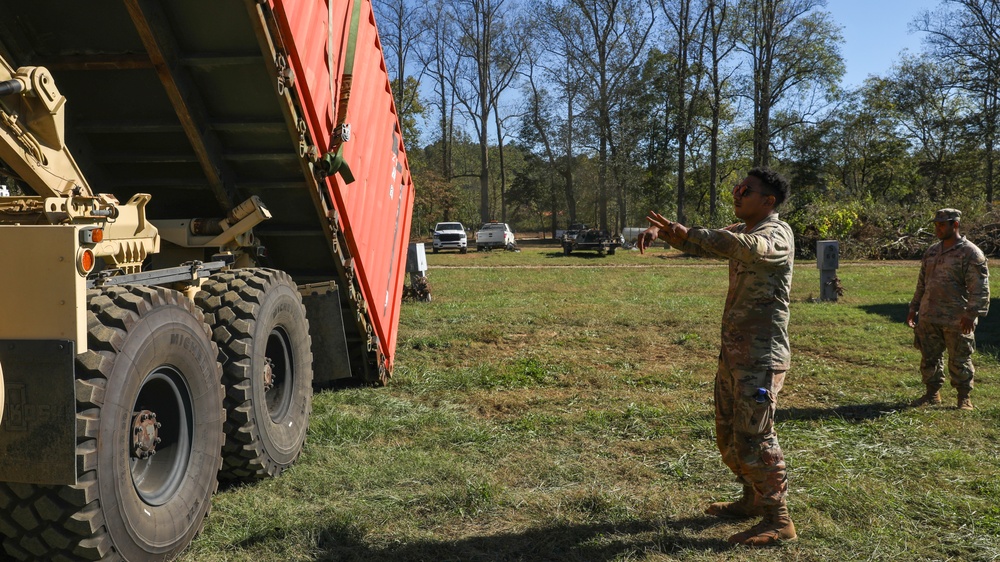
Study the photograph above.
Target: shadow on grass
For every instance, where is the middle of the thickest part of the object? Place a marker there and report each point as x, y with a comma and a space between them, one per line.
582, 254
595, 542
850, 413
987, 332
893, 312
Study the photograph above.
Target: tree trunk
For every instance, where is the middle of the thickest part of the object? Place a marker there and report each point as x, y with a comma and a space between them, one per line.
570, 161
503, 171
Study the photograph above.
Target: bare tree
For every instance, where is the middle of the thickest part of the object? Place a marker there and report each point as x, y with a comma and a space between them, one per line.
570, 83
511, 51
686, 21
719, 44
401, 28
604, 39
538, 118
437, 56
486, 70
792, 46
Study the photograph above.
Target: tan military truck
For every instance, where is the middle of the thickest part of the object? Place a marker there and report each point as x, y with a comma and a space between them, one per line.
208, 212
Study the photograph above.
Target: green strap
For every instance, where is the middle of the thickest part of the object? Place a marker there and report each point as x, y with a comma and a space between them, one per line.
333, 163
334, 160
352, 38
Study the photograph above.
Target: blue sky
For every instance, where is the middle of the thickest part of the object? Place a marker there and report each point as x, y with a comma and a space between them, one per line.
875, 31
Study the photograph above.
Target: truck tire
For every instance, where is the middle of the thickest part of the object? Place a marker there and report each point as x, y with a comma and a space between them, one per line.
463, 250
149, 431
260, 326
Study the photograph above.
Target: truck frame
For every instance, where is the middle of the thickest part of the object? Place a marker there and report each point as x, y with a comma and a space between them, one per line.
209, 212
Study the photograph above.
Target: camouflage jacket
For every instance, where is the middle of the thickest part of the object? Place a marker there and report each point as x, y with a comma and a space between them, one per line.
755, 320
953, 282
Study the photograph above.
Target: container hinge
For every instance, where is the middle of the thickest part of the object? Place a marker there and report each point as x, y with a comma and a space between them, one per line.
286, 76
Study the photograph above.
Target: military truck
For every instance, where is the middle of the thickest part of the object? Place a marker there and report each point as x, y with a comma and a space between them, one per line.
593, 239
209, 212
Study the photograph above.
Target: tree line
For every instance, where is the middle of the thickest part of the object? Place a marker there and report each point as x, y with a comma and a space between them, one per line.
546, 113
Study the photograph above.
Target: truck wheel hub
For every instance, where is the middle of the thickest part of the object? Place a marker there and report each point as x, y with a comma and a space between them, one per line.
268, 374
145, 434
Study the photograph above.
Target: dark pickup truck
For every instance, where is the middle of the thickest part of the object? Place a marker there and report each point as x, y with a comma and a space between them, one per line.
592, 239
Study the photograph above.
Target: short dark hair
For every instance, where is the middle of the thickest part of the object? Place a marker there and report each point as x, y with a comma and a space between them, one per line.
775, 183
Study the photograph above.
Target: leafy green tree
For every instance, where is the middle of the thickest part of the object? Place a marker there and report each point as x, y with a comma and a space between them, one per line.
871, 159
412, 113
931, 113
966, 35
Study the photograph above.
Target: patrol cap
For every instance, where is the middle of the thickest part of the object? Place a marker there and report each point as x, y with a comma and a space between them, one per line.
945, 215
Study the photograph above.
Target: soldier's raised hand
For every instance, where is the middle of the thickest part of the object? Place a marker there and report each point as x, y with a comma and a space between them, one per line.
647, 237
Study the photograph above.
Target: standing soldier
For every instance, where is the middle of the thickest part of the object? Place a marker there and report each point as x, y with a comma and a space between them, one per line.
755, 353
953, 291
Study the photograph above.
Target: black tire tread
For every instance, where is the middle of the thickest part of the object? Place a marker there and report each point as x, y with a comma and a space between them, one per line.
67, 522
231, 302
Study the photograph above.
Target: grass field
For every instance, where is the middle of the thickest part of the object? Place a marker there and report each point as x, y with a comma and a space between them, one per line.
549, 407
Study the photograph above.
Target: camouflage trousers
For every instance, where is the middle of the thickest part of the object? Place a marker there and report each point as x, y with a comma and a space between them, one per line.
933, 340
744, 426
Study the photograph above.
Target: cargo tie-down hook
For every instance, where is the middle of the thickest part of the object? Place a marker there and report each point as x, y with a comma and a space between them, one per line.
333, 162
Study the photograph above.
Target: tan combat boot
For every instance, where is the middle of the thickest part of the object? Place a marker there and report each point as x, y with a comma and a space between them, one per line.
775, 528
743, 508
931, 397
964, 402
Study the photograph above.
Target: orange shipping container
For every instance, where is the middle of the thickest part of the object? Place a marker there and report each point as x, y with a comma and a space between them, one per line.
375, 211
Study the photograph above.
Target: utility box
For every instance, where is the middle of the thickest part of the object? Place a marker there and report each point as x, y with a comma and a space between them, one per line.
827, 254
416, 266
827, 261
416, 259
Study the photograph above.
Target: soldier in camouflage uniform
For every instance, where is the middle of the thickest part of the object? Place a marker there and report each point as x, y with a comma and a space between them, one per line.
953, 291
755, 352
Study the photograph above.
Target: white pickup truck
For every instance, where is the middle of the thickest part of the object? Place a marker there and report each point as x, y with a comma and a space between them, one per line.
495, 235
450, 235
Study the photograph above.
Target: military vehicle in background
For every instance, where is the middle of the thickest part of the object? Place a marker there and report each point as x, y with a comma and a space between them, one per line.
187, 253
572, 231
592, 239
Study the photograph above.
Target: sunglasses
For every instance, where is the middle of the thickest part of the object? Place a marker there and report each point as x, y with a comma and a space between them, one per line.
741, 189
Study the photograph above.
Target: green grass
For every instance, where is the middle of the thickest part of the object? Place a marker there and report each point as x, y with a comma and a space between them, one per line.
546, 407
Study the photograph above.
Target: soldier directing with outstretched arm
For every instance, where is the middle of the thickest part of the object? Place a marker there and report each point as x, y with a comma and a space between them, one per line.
755, 351
953, 291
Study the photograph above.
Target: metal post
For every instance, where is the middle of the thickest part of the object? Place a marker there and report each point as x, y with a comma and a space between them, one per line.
827, 261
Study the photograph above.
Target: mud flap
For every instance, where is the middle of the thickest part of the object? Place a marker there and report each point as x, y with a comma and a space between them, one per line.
38, 433
331, 357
